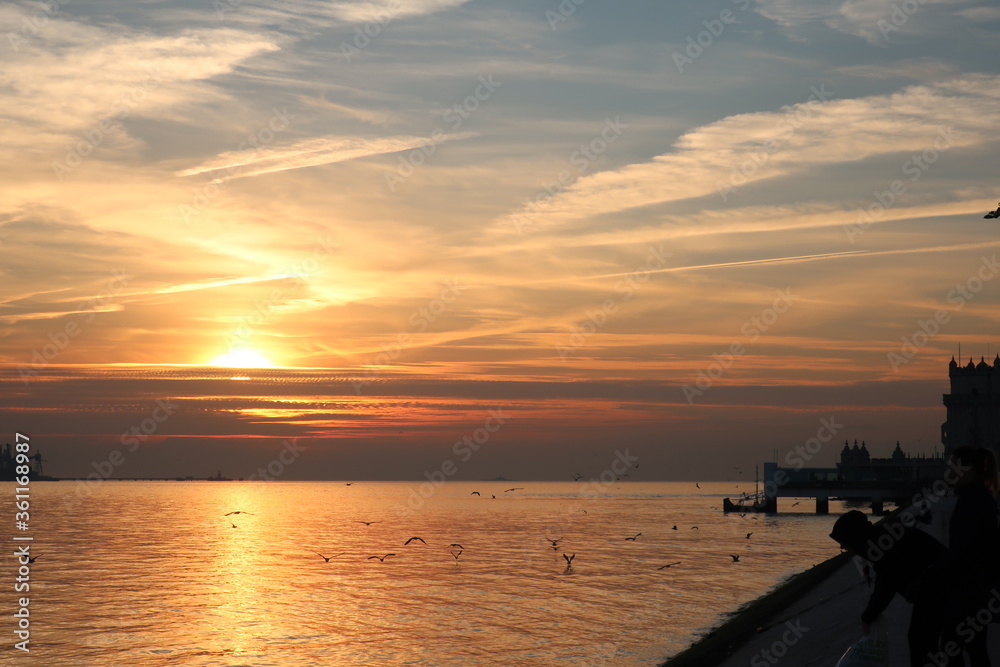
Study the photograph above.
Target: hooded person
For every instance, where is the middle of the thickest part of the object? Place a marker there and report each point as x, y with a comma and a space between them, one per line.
902, 559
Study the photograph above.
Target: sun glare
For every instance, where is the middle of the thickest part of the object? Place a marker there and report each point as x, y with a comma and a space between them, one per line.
243, 359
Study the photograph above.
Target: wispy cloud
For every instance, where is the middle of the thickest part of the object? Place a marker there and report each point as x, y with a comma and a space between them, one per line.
790, 259
25, 317
373, 10
804, 135
373, 116
310, 153
862, 18
129, 75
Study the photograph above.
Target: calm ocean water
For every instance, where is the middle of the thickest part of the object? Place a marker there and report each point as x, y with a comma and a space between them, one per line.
154, 573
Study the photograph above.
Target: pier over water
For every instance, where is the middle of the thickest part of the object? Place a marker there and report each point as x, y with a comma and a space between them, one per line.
858, 476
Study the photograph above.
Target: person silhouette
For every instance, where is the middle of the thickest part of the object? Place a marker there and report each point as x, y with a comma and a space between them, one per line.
969, 568
900, 557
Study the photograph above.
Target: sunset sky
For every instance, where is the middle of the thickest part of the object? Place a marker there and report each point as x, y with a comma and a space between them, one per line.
688, 229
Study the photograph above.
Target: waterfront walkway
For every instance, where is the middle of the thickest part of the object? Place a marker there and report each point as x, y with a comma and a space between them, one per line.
815, 622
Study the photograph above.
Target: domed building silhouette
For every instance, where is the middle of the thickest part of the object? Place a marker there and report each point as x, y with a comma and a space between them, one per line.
857, 464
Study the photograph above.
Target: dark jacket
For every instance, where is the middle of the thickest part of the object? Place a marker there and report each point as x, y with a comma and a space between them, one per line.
901, 566
973, 537
970, 567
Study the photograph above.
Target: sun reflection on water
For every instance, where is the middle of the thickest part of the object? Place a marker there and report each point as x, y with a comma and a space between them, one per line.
204, 585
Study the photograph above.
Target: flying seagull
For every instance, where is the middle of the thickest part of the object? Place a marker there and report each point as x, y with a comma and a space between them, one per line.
368, 523
476, 493
327, 558
516, 488
748, 535
237, 512
381, 559
569, 560
454, 544
735, 557
32, 559
413, 538
233, 525
663, 567
632, 539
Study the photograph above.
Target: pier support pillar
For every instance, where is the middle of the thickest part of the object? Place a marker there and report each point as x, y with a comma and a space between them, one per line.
822, 505
877, 508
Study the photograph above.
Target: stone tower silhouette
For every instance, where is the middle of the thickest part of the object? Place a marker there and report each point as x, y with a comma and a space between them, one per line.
973, 406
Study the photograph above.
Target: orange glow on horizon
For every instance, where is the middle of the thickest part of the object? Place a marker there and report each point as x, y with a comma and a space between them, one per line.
242, 359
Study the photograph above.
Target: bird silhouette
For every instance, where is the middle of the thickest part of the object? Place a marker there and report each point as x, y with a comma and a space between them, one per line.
233, 524
381, 559
735, 557
569, 563
694, 527
555, 543
476, 493
632, 539
32, 559
516, 488
455, 544
368, 523
664, 567
327, 558
697, 485
412, 539
675, 527
748, 535
237, 512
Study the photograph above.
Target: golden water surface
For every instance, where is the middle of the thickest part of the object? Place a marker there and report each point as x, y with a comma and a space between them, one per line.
156, 573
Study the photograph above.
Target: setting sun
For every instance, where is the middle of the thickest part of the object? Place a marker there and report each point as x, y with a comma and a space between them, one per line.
243, 359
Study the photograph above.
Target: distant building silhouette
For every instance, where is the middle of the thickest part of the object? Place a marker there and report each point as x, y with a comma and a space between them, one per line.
856, 465
9, 465
973, 406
